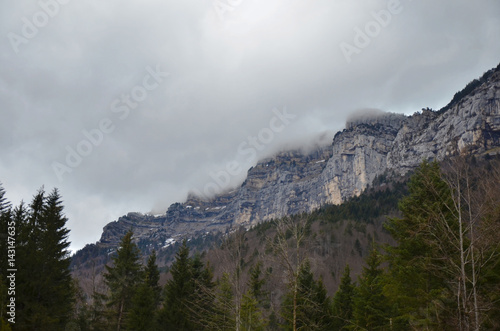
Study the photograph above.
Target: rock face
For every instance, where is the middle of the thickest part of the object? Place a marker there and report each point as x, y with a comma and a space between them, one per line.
293, 182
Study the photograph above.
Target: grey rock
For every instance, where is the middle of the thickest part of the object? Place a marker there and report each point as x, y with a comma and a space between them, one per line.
294, 182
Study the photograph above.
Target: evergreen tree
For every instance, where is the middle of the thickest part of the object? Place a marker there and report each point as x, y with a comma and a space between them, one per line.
417, 285
224, 301
313, 311
371, 311
188, 295
174, 314
251, 315
255, 282
58, 291
45, 301
253, 301
343, 301
122, 279
146, 299
143, 309
201, 300
97, 311
152, 277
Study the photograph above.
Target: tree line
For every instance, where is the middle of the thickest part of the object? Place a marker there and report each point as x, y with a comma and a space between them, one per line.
43, 290
441, 273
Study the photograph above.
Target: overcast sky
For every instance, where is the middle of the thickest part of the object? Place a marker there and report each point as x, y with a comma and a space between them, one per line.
128, 105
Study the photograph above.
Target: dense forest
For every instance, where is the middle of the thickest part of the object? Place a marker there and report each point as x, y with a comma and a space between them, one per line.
429, 247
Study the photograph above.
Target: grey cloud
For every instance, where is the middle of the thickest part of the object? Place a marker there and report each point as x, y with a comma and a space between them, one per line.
226, 77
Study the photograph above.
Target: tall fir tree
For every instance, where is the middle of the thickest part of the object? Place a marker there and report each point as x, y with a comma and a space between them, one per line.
343, 301
178, 289
417, 284
188, 295
371, 310
313, 307
256, 282
45, 301
122, 279
251, 314
144, 307
224, 301
201, 300
152, 277
58, 291
254, 300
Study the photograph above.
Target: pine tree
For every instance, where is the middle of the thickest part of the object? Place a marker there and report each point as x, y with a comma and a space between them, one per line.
152, 277
371, 311
447, 240
343, 301
177, 290
417, 284
255, 282
201, 300
58, 290
143, 309
122, 279
45, 301
253, 301
224, 315
312, 305
251, 315
146, 300
188, 295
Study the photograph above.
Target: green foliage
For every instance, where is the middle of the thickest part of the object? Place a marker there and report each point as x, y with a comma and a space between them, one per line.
188, 295
413, 289
343, 301
152, 277
251, 315
371, 310
313, 308
143, 308
4, 326
145, 302
256, 282
367, 207
417, 273
122, 279
45, 301
177, 291
224, 316
44, 290
254, 301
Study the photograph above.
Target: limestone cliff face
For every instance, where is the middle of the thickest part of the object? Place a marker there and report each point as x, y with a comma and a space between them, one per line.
294, 182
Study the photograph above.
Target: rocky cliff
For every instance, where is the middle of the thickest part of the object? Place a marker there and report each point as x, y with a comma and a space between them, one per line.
294, 182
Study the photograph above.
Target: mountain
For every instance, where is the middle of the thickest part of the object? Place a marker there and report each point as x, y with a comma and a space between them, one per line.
292, 182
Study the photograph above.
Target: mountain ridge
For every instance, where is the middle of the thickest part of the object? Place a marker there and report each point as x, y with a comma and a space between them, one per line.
292, 182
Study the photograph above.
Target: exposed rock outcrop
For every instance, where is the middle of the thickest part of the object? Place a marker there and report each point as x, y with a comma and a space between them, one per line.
293, 182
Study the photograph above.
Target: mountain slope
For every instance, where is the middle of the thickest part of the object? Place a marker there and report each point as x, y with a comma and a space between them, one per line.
293, 182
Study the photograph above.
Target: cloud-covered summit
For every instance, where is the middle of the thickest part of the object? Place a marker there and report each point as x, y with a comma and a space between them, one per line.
153, 96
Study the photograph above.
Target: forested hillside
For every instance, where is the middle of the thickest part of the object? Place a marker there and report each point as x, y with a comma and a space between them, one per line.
430, 262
